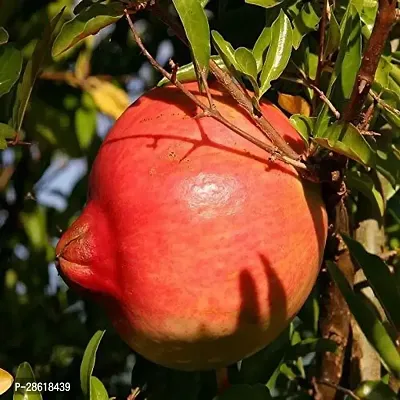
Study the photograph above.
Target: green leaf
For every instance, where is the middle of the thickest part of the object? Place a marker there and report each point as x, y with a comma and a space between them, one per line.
244, 392
364, 184
380, 279
388, 164
383, 72
3, 36
368, 321
10, 67
97, 389
225, 50
32, 70
333, 40
6, 132
392, 113
260, 46
88, 361
304, 125
278, 52
347, 140
23, 376
186, 73
306, 21
264, 3
195, 23
352, 56
85, 122
90, 21
247, 65
375, 390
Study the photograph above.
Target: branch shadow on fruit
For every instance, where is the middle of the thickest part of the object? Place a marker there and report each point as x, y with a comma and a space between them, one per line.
192, 110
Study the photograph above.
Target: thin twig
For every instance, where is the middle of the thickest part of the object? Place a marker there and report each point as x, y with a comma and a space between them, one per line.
207, 111
339, 388
383, 104
306, 81
384, 21
234, 89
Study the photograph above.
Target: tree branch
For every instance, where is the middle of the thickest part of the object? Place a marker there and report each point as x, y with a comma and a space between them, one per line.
212, 112
385, 19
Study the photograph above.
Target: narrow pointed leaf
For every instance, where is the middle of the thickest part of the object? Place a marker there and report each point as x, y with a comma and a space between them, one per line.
264, 3
3, 36
97, 389
247, 65
333, 40
225, 50
375, 390
6, 132
88, 22
347, 140
195, 23
304, 125
23, 376
32, 70
186, 73
380, 279
306, 21
10, 67
6, 380
368, 321
88, 361
279, 52
363, 183
260, 47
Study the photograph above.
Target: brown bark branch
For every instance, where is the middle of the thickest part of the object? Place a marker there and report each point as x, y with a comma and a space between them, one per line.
234, 89
212, 112
335, 314
385, 19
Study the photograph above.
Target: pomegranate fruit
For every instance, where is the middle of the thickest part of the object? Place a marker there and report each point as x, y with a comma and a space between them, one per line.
199, 248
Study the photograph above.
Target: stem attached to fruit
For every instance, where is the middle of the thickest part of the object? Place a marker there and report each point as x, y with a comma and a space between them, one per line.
210, 111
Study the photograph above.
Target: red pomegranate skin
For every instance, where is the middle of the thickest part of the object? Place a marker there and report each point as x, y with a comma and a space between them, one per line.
200, 249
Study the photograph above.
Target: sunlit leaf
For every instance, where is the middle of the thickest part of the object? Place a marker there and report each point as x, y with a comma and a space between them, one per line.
375, 390
379, 277
6, 132
88, 22
10, 67
247, 65
23, 376
186, 73
304, 125
347, 140
383, 72
88, 361
224, 49
97, 389
85, 122
279, 52
294, 104
32, 70
363, 183
368, 321
264, 3
3, 36
109, 99
306, 21
195, 23
261, 46
6, 380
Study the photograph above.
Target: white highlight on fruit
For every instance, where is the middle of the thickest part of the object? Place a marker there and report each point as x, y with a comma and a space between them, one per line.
212, 195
